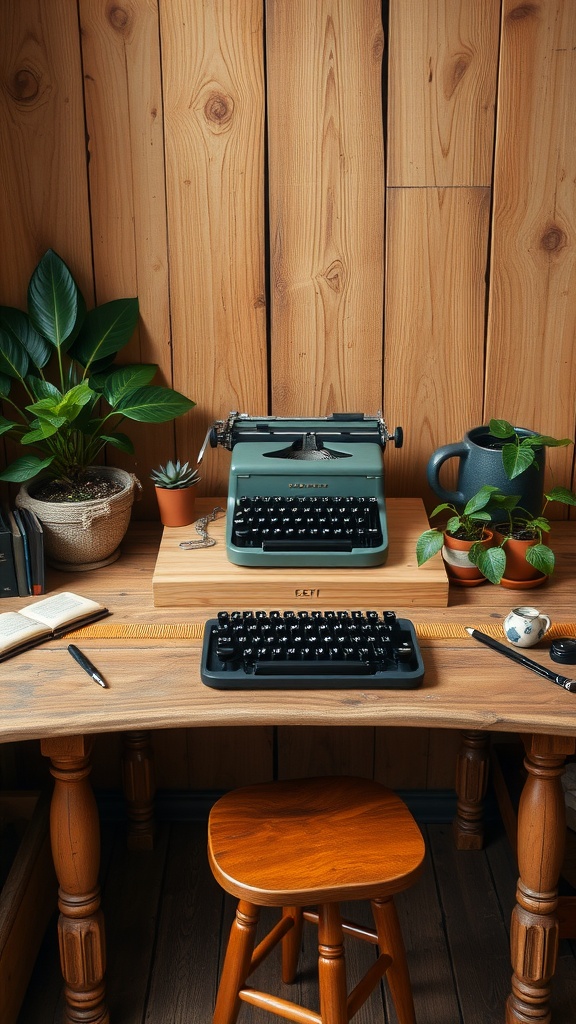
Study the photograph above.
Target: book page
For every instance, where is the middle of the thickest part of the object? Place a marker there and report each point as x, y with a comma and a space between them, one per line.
60, 609
16, 629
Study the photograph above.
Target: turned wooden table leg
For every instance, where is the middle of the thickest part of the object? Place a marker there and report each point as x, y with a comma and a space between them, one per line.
471, 782
541, 837
75, 838
139, 788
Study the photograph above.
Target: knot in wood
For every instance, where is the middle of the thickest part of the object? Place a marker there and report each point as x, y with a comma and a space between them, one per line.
456, 72
378, 47
334, 275
25, 85
522, 11
219, 110
119, 17
554, 239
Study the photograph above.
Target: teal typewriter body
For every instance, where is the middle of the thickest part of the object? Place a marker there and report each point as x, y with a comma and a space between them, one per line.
305, 492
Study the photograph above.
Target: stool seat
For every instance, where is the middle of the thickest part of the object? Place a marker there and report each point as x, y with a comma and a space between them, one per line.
313, 841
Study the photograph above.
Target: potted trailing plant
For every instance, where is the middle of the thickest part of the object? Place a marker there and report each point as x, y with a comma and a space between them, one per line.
175, 493
466, 531
64, 399
520, 557
510, 458
519, 448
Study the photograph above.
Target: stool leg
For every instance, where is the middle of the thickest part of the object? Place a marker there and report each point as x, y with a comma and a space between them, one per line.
291, 944
331, 966
390, 941
236, 963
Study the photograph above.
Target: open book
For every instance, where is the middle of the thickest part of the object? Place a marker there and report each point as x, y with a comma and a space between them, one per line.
46, 620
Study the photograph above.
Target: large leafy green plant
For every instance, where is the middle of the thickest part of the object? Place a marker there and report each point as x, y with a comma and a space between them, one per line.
74, 398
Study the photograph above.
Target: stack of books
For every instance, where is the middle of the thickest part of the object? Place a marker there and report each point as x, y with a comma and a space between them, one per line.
21, 553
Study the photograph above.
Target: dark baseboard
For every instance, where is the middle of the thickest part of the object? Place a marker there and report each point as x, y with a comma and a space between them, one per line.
429, 807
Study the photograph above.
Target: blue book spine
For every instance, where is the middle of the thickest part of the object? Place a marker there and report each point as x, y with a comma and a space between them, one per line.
27, 561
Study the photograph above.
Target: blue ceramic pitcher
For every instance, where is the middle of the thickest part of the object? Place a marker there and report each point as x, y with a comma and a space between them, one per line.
480, 462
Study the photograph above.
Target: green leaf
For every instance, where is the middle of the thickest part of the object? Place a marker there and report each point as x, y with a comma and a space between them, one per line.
5, 385
516, 459
501, 428
43, 389
14, 360
125, 379
453, 524
19, 327
53, 300
428, 544
154, 404
120, 441
542, 558
490, 561
24, 469
106, 329
538, 523
441, 508
562, 494
6, 425
60, 409
480, 499
543, 440
43, 428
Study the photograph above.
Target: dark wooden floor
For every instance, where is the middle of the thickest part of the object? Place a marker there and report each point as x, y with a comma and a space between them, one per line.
166, 919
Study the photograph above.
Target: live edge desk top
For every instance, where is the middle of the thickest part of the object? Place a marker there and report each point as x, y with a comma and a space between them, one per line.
155, 683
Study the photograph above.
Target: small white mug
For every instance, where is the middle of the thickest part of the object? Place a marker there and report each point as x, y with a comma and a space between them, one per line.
524, 626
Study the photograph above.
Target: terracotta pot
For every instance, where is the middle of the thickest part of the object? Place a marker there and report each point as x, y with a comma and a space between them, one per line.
458, 566
177, 505
518, 570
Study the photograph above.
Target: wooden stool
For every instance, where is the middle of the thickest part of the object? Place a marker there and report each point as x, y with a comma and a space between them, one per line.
314, 841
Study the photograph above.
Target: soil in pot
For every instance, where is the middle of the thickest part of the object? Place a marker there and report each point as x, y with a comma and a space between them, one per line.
92, 487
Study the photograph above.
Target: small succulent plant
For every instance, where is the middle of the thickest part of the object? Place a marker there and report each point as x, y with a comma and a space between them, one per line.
173, 475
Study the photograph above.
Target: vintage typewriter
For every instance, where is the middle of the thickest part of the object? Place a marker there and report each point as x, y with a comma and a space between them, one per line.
305, 491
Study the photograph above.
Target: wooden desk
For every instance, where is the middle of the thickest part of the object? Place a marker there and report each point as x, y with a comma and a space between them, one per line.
155, 684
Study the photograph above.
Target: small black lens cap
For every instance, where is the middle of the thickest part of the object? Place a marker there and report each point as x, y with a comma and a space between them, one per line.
564, 650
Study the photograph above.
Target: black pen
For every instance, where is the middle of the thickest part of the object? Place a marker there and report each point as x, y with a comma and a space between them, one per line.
87, 665
511, 652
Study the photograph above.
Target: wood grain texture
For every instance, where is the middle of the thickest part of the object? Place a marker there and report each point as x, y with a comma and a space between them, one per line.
326, 164
122, 76
532, 314
212, 55
204, 579
442, 92
155, 684
437, 241
43, 154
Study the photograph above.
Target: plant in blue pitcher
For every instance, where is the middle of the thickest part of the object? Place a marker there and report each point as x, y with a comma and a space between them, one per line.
519, 450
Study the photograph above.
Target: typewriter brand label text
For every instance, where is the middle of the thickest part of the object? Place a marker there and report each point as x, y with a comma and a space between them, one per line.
301, 592
300, 487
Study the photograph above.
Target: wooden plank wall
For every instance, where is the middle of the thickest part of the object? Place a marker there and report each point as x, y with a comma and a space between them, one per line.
338, 205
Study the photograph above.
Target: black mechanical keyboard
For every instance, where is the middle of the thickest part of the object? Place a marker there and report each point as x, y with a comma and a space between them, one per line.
306, 523
316, 650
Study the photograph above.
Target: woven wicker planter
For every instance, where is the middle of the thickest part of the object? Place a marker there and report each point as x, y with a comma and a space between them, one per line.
81, 535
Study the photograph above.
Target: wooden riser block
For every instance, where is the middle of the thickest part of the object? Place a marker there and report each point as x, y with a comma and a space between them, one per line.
204, 581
